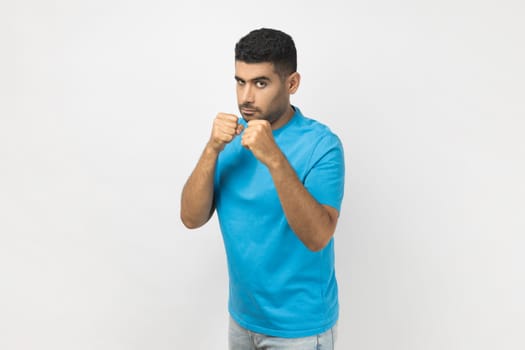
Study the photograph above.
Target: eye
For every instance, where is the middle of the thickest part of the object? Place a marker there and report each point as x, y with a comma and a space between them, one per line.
260, 84
240, 82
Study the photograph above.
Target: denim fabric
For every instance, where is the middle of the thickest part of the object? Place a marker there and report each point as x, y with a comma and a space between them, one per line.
243, 339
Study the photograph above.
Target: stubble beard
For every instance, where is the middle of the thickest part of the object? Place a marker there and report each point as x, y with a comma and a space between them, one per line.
271, 117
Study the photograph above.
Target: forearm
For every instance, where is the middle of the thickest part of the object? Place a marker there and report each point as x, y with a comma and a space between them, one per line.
197, 194
311, 221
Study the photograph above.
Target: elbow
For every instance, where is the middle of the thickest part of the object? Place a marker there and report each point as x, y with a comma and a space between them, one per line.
321, 235
315, 248
318, 244
189, 223
193, 220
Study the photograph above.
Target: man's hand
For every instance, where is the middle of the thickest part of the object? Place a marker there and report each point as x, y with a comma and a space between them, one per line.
258, 138
225, 128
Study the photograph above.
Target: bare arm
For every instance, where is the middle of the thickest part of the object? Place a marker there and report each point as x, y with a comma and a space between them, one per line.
311, 221
197, 195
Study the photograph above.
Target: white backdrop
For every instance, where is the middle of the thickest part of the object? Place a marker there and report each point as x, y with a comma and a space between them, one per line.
106, 105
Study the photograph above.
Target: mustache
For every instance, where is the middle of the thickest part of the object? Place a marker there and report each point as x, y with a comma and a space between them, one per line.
248, 106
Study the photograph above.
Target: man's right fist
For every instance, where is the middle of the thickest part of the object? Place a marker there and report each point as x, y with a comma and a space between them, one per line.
225, 128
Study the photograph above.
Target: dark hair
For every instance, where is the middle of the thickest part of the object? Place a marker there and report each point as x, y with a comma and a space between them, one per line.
268, 45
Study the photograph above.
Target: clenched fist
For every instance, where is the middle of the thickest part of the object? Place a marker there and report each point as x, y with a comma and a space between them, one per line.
225, 128
258, 138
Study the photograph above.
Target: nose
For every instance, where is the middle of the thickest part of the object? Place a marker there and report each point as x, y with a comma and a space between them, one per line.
247, 94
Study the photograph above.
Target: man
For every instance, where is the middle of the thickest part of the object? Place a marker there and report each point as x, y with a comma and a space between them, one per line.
276, 179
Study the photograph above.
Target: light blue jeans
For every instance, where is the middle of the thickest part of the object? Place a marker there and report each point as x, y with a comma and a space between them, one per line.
243, 339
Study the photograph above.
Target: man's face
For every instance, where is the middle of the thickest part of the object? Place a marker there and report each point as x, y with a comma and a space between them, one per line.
261, 93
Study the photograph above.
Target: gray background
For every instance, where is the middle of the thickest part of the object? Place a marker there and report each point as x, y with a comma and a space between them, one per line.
106, 105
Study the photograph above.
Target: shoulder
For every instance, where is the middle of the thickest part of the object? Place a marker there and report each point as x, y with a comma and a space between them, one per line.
317, 132
309, 142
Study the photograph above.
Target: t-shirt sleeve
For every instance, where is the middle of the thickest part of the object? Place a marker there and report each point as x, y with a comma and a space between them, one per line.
326, 177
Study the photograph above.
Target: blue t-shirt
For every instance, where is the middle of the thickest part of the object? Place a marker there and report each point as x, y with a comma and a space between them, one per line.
279, 287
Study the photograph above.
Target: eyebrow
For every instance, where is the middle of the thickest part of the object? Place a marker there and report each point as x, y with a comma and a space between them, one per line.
254, 79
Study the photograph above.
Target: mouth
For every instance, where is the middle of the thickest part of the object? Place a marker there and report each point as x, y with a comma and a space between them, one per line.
248, 111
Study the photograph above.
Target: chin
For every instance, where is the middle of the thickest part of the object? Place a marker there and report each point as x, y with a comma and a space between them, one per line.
252, 117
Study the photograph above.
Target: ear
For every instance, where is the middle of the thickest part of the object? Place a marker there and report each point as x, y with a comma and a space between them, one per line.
293, 82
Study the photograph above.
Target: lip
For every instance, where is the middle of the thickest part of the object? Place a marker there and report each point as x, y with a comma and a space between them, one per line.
248, 110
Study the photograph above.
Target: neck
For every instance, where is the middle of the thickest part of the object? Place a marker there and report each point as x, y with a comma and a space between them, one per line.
284, 118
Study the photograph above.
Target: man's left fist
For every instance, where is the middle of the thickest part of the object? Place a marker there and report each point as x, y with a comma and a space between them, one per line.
258, 138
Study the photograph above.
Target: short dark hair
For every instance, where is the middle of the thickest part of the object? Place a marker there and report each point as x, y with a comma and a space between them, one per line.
268, 45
